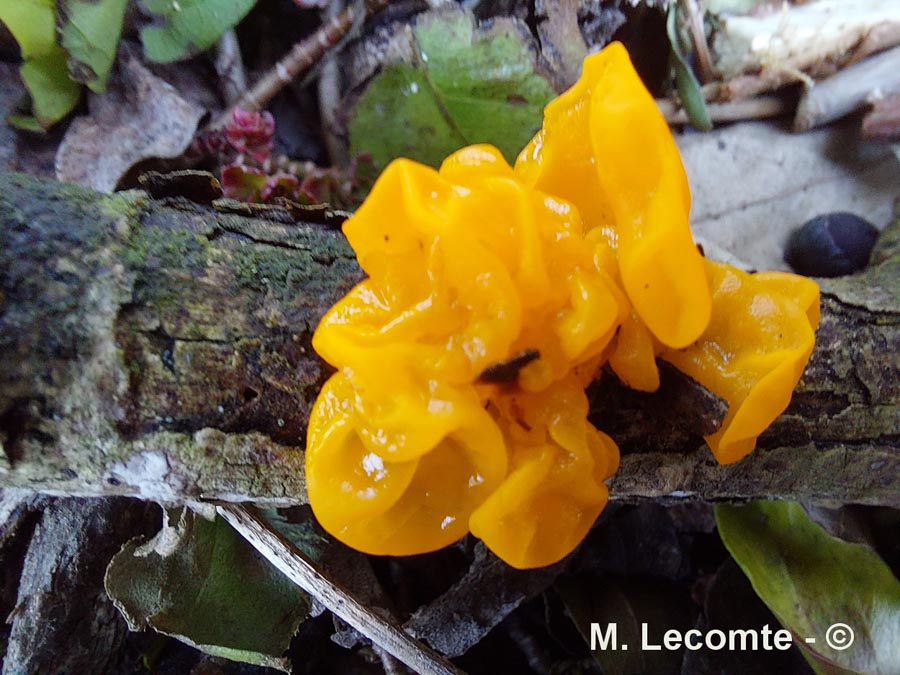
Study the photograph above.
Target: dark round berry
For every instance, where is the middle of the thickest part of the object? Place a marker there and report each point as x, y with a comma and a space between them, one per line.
831, 245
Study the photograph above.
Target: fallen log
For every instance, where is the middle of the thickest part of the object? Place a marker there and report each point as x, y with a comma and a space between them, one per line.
160, 348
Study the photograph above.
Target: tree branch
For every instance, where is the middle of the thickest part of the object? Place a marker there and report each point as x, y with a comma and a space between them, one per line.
161, 349
291, 562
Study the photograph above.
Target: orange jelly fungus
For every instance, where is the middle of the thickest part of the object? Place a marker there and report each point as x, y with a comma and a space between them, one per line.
494, 295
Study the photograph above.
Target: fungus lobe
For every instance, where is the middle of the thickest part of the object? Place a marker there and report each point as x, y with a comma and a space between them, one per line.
494, 295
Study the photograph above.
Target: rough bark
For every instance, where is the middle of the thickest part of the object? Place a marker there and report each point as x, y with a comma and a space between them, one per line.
63, 621
161, 349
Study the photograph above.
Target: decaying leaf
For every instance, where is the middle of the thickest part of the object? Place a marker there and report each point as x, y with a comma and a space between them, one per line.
463, 85
627, 604
140, 117
449, 623
63, 622
188, 27
90, 31
753, 183
792, 38
812, 582
53, 92
199, 582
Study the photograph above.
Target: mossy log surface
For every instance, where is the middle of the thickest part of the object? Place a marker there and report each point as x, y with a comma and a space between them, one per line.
161, 349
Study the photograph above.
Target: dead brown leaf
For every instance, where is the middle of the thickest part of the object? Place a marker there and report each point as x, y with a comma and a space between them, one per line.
140, 117
753, 183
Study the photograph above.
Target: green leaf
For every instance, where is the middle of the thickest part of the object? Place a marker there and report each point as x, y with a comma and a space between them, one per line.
204, 585
811, 581
53, 92
686, 83
32, 23
26, 123
189, 26
90, 35
466, 86
399, 116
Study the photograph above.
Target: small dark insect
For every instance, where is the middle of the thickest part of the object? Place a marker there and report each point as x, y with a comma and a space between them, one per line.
831, 245
506, 371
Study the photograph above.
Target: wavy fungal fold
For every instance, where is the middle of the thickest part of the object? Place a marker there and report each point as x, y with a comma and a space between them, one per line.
495, 294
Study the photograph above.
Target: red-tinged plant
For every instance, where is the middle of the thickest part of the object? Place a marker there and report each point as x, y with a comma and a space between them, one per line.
250, 132
249, 173
281, 185
244, 183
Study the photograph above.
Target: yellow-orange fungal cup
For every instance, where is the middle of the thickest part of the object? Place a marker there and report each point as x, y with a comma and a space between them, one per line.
753, 351
494, 295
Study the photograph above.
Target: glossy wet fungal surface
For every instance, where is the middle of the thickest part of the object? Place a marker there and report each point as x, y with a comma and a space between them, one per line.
494, 294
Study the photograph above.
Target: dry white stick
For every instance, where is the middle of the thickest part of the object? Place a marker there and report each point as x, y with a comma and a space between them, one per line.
759, 107
303, 56
694, 18
330, 95
883, 120
230, 67
849, 90
299, 569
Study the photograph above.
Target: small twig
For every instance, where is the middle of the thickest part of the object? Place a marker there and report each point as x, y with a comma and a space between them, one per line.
694, 16
880, 37
883, 120
299, 569
759, 107
330, 95
230, 67
748, 85
302, 56
848, 90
